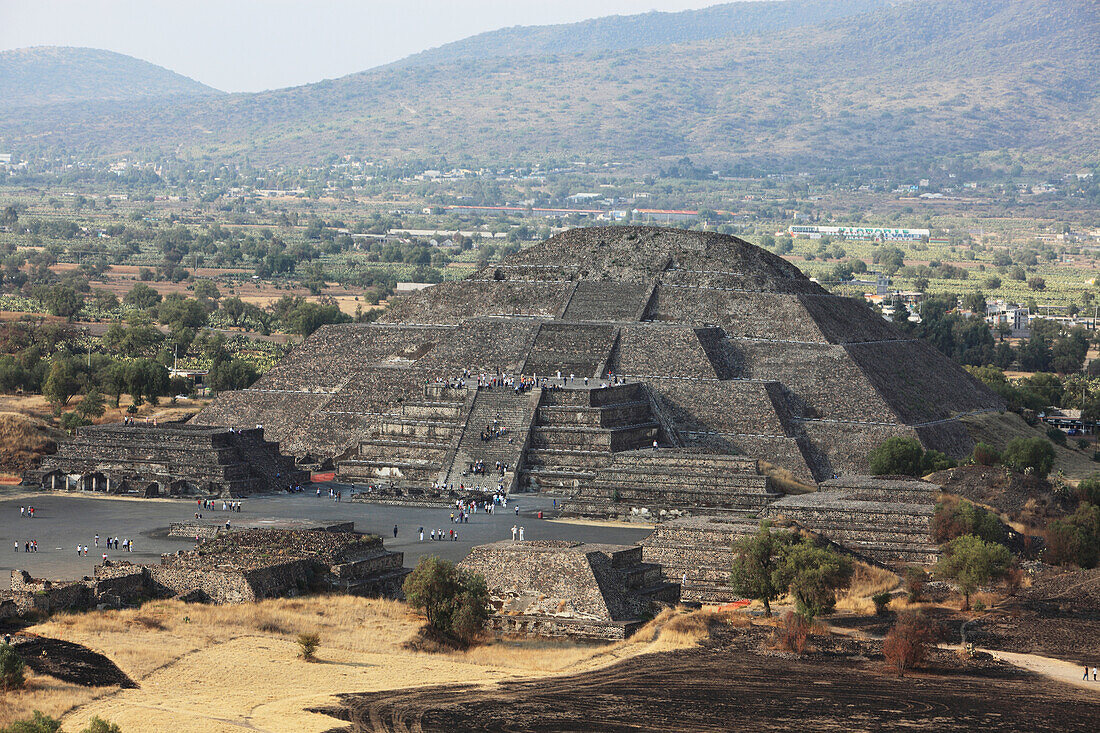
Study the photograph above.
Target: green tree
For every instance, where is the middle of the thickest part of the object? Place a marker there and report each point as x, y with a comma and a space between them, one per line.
897, 456
985, 455
812, 575
971, 563
91, 405
9, 217
232, 374
61, 383
455, 601
142, 296
1029, 455
756, 559
13, 671
64, 301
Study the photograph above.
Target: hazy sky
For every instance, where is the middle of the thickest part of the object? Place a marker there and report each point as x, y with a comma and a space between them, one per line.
249, 45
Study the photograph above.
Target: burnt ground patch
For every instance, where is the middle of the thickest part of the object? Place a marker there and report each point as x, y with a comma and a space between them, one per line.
70, 662
1058, 616
735, 683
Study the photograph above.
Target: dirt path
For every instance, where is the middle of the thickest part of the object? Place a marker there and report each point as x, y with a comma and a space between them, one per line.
1055, 669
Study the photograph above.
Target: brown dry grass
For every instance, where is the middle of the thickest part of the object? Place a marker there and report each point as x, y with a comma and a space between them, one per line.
783, 480
24, 440
867, 580
220, 668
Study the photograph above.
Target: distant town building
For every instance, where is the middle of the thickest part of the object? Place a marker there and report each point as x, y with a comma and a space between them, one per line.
882, 234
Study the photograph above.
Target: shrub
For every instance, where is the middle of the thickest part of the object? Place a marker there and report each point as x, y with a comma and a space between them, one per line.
1056, 436
307, 644
38, 723
1082, 444
13, 672
915, 580
954, 518
794, 632
897, 456
881, 601
933, 461
907, 642
1029, 455
1075, 540
972, 562
985, 455
455, 601
1089, 489
99, 725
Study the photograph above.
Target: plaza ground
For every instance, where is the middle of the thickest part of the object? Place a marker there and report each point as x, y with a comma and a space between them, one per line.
64, 520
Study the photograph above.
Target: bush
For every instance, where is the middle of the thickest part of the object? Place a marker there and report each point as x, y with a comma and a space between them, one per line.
907, 642
13, 672
307, 644
39, 723
915, 580
897, 456
905, 457
956, 517
1082, 444
933, 461
985, 455
1075, 540
882, 602
794, 632
455, 601
99, 725
1056, 436
1029, 455
1089, 489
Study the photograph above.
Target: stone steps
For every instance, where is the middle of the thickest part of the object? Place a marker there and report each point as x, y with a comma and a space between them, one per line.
500, 407
606, 301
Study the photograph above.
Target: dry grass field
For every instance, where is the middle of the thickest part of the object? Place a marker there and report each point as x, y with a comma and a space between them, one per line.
228, 668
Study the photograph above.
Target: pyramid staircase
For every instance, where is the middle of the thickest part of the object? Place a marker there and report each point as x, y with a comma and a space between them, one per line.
412, 446
577, 431
499, 407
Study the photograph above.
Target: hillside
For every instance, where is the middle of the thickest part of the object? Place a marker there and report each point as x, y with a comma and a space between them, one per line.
49, 74
903, 85
618, 32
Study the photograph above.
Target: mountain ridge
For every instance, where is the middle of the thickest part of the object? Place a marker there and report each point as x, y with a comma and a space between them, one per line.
45, 75
905, 85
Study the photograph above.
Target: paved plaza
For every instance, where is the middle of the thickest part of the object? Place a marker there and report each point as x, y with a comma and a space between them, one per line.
62, 521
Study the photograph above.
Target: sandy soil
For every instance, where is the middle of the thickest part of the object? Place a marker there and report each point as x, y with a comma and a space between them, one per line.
231, 668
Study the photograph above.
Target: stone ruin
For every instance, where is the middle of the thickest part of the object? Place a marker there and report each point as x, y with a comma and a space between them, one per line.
574, 589
880, 520
170, 459
235, 567
241, 567
712, 347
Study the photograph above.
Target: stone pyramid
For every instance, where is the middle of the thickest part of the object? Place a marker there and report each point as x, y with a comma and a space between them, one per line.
726, 349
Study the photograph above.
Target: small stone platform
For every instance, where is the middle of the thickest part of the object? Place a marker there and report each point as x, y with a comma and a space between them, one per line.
240, 567
569, 589
885, 520
170, 459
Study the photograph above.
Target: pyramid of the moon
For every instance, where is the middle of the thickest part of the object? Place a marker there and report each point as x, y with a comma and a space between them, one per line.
715, 347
